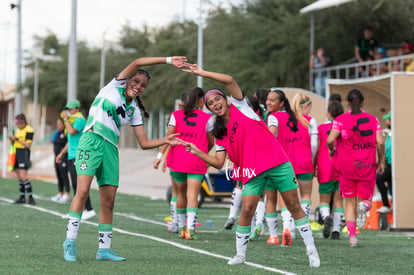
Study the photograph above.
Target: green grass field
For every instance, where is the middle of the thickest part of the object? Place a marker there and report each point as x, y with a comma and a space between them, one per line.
32, 236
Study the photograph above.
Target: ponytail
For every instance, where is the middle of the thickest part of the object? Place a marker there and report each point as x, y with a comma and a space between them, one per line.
288, 109
355, 98
300, 100
193, 98
142, 107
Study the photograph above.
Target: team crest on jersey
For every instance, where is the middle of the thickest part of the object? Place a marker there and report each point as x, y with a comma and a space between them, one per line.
83, 166
130, 111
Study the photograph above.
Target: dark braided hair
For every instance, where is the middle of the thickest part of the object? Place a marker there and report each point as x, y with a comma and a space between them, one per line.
193, 97
356, 98
288, 109
138, 99
142, 107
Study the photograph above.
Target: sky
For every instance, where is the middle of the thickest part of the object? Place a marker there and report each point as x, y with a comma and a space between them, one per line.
95, 18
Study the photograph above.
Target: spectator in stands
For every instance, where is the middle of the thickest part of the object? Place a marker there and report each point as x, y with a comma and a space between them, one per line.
407, 64
381, 68
319, 61
408, 48
365, 45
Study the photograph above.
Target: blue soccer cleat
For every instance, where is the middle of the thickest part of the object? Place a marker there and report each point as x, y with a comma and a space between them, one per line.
108, 255
69, 251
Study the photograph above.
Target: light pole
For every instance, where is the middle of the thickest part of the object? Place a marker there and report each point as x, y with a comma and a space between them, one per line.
73, 57
18, 98
200, 44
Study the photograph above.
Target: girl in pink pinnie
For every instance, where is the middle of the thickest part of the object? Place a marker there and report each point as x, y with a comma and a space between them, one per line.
358, 140
328, 181
236, 129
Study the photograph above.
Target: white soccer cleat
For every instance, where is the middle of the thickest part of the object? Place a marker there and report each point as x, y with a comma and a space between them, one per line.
314, 260
384, 210
88, 214
56, 198
238, 259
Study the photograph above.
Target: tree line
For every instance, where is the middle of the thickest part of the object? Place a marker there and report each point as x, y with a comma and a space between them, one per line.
261, 43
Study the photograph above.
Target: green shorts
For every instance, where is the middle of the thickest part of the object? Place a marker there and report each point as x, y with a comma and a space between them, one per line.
305, 176
97, 157
281, 178
181, 177
329, 187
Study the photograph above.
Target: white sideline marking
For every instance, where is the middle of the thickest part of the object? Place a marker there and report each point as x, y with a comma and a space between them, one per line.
200, 251
133, 217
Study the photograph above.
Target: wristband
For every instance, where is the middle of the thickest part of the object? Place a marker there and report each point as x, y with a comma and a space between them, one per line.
159, 155
168, 60
64, 120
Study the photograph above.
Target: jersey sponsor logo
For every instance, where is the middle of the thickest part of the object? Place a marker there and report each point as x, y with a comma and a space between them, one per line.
363, 133
233, 131
291, 140
364, 146
360, 164
190, 123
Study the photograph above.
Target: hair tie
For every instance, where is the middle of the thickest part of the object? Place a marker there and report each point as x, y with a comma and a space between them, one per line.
306, 103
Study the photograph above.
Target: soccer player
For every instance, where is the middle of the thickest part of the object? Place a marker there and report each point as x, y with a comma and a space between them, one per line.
115, 105
161, 159
283, 124
188, 170
328, 182
358, 140
236, 129
22, 140
74, 122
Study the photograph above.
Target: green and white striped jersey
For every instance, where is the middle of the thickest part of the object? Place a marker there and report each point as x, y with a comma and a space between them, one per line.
109, 111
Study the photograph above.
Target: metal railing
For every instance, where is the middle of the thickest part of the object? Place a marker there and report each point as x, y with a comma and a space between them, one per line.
361, 69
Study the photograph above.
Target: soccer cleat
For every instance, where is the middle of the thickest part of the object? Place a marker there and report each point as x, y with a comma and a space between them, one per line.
108, 255
362, 215
384, 210
327, 226
335, 235
238, 259
20, 200
173, 228
273, 240
56, 198
182, 232
64, 199
314, 260
31, 201
255, 235
229, 223
87, 214
286, 238
69, 251
190, 235
353, 242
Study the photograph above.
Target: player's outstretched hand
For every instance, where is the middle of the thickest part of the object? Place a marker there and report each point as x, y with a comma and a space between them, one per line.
189, 147
194, 69
172, 139
178, 61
